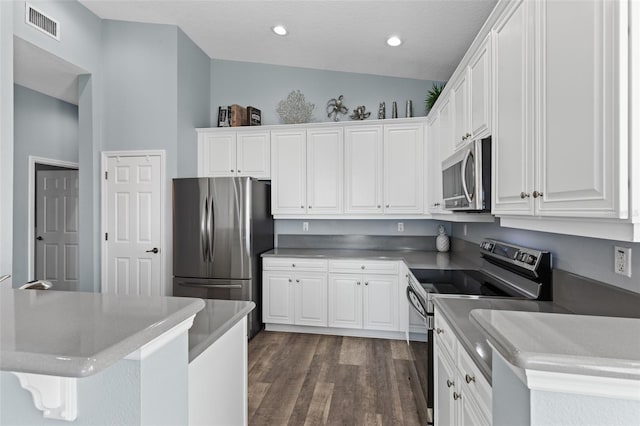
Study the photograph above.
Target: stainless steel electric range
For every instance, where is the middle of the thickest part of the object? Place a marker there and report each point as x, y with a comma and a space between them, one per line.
506, 270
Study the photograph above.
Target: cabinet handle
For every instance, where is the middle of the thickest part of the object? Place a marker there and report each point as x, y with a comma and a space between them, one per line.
525, 195
469, 378
302, 207
387, 206
297, 281
379, 206
436, 204
309, 206
439, 331
231, 170
358, 283
239, 171
293, 265
468, 135
362, 267
289, 279
366, 283
457, 396
450, 383
537, 194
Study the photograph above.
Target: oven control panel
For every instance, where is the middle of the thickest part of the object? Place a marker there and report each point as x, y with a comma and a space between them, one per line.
522, 257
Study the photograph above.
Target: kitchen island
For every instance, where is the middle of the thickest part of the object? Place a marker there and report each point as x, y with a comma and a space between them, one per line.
94, 358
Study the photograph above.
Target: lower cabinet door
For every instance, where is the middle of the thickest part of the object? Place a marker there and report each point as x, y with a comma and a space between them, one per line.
380, 302
445, 388
345, 300
311, 299
470, 414
277, 297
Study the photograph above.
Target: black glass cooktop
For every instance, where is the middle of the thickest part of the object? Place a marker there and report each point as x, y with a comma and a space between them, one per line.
471, 282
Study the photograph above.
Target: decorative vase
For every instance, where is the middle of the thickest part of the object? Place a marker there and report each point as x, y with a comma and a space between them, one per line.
442, 240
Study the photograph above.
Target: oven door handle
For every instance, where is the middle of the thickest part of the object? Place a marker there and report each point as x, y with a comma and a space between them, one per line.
411, 302
463, 176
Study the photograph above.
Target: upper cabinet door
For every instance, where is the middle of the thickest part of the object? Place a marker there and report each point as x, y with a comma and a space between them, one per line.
219, 154
254, 154
288, 163
578, 80
363, 169
445, 132
479, 95
324, 170
512, 141
460, 94
403, 168
433, 173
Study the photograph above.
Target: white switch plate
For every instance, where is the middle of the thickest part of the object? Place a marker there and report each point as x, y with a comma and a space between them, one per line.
622, 261
305, 226
400, 227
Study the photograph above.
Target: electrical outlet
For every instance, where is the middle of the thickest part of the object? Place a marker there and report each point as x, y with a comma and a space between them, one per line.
305, 226
622, 261
400, 227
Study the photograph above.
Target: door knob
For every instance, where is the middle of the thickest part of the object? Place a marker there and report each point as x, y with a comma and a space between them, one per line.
524, 195
153, 250
537, 194
39, 238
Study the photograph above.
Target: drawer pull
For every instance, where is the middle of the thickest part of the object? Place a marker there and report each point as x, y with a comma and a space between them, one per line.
293, 265
289, 279
362, 267
358, 283
469, 378
297, 281
457, 396
439, 331
450, 383
366, 283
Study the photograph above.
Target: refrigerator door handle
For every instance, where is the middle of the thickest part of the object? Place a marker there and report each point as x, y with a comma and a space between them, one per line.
184, 284
212, 236
203, 230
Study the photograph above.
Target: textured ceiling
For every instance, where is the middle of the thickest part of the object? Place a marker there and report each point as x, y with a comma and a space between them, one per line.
333, 35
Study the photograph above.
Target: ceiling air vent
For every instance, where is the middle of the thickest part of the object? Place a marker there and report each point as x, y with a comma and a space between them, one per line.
42, 22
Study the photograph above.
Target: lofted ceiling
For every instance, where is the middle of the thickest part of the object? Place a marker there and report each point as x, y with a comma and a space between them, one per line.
345, 35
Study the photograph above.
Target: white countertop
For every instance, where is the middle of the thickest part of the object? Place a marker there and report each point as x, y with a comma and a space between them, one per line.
76, 334
564, 343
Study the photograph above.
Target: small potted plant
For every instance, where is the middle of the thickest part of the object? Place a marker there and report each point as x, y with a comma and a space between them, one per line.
432, 97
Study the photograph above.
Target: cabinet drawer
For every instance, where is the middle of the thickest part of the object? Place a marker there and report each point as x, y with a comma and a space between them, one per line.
475, 381
368, 266
294, 264
444, 332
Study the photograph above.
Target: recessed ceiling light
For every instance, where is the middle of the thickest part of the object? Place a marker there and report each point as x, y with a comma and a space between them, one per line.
394, 41
280, 30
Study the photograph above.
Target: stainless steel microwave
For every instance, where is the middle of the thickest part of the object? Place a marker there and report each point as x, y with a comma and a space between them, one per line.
466, 178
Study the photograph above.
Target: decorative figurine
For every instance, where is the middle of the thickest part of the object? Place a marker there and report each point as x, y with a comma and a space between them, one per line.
295, 109
409, 109
359, 113
335, 107
394, 110
442, 240
382, 114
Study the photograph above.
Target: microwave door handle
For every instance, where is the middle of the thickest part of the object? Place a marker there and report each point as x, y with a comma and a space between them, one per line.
462, 173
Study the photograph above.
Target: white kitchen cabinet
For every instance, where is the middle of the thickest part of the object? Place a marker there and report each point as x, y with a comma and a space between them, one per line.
480, 91
310, 294
434, 202
512, 140
380, 302
564, 159
325, 150
445, 132
277, 297
462, 395
403, 168
460, 97
345, 300
289, 171
363, 169
224, 153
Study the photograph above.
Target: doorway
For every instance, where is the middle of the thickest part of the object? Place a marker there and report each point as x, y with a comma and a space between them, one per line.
54, 217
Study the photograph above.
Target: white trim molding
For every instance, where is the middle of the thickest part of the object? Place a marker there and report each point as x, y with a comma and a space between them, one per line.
56, 397
603, 387
31, 182
352, 332
160, 341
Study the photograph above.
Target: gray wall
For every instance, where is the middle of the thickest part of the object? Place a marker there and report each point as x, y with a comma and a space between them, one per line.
413, 227
81, 45
589, 257
6, 137
44, 127
263, 86
193, 101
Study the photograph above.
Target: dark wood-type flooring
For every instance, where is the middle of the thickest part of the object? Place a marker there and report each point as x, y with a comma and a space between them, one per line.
310, 379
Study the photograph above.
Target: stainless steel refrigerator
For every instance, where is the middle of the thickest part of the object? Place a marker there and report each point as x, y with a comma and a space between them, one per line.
220, 227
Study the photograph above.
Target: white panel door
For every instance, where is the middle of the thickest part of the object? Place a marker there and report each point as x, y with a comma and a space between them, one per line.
288, 172
444, 386
512, 141
578, 165
219, 157
325, 150
479, 93
57, 252
461, 110
345, 300
277, 297
403, 168
363, 169
380, 302
133, 226
433, 167
253, 154
445, 132
311, 299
